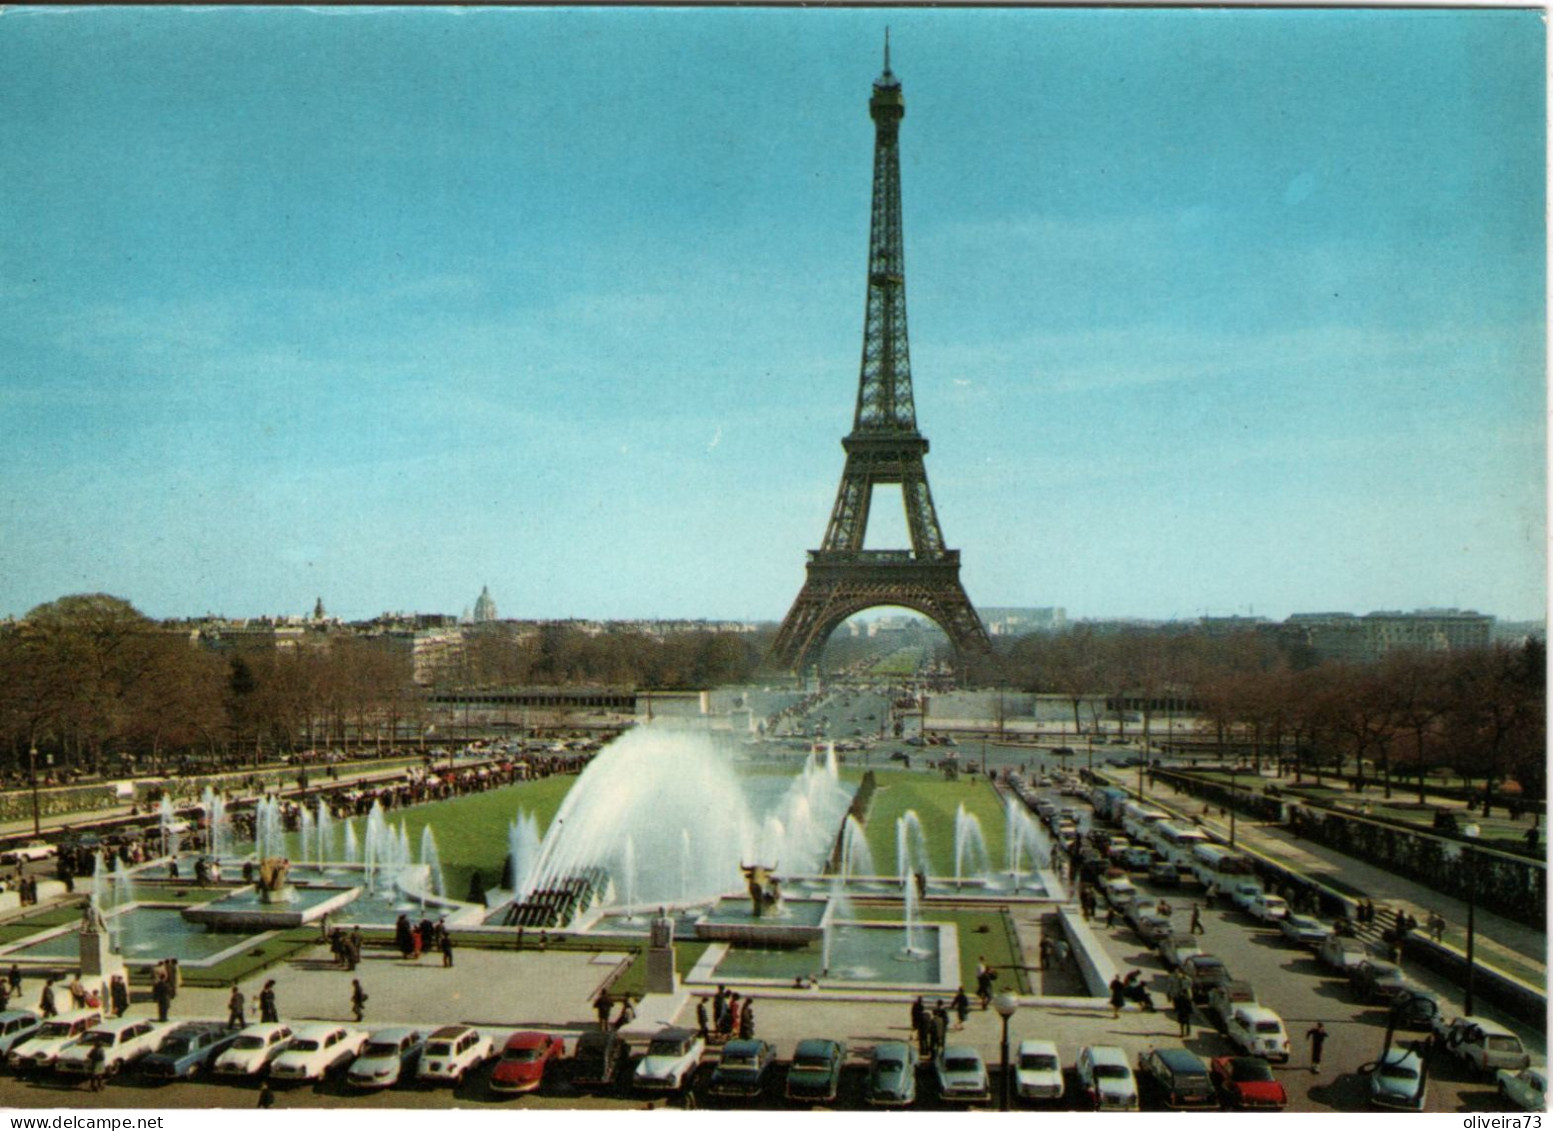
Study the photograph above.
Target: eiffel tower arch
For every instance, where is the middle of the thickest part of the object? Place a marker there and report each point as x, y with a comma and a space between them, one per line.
884, 448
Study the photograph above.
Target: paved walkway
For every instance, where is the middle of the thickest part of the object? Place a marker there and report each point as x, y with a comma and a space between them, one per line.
1503, 944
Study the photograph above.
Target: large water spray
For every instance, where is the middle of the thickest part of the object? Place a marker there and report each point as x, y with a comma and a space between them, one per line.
664, 813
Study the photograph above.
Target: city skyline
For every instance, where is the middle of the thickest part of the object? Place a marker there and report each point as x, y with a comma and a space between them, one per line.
1210, 310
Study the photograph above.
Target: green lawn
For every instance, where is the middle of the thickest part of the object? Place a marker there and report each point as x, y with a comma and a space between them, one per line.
471, 831
935, 802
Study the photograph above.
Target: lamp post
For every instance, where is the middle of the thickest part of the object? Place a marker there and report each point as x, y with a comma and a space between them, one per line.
32, 760
1005, 1004
1232, 781
1472, 908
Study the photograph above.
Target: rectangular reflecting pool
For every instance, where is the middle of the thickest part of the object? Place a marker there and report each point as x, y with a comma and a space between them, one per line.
864, 954
141, 934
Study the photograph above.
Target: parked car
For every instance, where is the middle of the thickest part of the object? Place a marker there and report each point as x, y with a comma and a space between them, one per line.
1222, 999
27, 853
1373, 980
1242, 892
1180, 1077
1247, 1083
1526, 1089
184, 1050
37, 1051
1258, 1031
815, 1074
672, 1058
1164, 873
1483, 1044
1176, 949
523, 1060
1205, 971
1039, 1071
451, 1052
252, 1051
1265, 907
892, 1075
16, 1025
597, 1058
390, 1055
1305, 930
1417, 1008
123, 1042
1149, 926
1119, 892
1106, 1078
744, 1069
1343, 953
962, 1077
1137, 858
317, 1050
1398, 1081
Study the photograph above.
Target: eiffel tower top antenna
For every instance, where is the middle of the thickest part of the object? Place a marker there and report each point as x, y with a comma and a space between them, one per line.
886, 48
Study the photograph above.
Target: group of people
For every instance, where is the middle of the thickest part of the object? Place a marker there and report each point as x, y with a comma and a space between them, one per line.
24, 886
1130, 989
346, 946
931, 1025
730, 1016
1054, 953
415, 939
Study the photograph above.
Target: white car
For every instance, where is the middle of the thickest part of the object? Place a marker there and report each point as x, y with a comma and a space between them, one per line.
122, 1042
38, 1051
1343, 952
1305, 930
1039, 1071
387, 1055
1483, 1044
253, 1050
1258, 1031
1106, 1076
1266, 908
27, 853
451, 1052
1242, 892
671, 1057
316, 1050
16, 1025
1526, 1089
1119, 892
1178, 948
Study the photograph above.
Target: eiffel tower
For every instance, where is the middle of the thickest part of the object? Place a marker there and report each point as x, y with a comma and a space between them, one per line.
883, 448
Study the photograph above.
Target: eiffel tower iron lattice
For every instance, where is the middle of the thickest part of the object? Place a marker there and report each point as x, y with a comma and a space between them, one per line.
884, 448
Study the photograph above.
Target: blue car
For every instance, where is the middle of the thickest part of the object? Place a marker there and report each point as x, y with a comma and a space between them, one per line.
186, 1050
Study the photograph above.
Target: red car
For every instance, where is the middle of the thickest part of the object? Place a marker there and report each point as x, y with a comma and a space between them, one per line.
521, 1066
1247, 1083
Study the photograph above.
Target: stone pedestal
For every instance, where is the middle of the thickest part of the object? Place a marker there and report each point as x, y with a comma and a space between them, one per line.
99, 964
661, 975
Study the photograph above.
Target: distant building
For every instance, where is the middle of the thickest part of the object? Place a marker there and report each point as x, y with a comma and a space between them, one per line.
1366, 639
485, 608
1022, 622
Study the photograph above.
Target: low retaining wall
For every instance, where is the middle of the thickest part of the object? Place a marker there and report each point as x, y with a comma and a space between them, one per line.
1093, 962
1523, 1002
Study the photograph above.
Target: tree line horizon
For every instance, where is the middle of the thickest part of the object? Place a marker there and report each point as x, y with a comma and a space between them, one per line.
100, 686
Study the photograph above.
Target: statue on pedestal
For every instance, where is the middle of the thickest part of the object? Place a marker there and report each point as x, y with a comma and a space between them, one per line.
765, 889
272, 880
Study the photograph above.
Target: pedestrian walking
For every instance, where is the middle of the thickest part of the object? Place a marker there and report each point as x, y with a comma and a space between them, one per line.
747, 1021
447, 951
266, 1097
235, 1006
96, 1067
1118, 996
358, 1001
46, 1007
1317, 1038
701, 1019
627, 1013
940, 1028
267, 1008
1197, 927
961, 1006
602, 1005
15, 978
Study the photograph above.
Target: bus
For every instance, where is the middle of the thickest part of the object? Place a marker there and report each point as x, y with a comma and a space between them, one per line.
1177, 842
1215, 864
1138, 818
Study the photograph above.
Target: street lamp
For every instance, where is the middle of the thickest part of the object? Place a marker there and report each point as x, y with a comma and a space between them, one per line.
32, 759
1232, 781
1005, 1004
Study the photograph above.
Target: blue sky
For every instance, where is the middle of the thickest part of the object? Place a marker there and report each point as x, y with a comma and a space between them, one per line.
1209, 311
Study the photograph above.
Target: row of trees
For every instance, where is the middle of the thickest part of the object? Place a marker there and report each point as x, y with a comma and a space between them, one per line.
91, 682
1480, 713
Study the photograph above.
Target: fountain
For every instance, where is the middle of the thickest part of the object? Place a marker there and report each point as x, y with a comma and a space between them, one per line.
431, 860
912, 862
523, 842
214, 807
166, 816
1024, 840
970, 847
352, 846
325, 836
